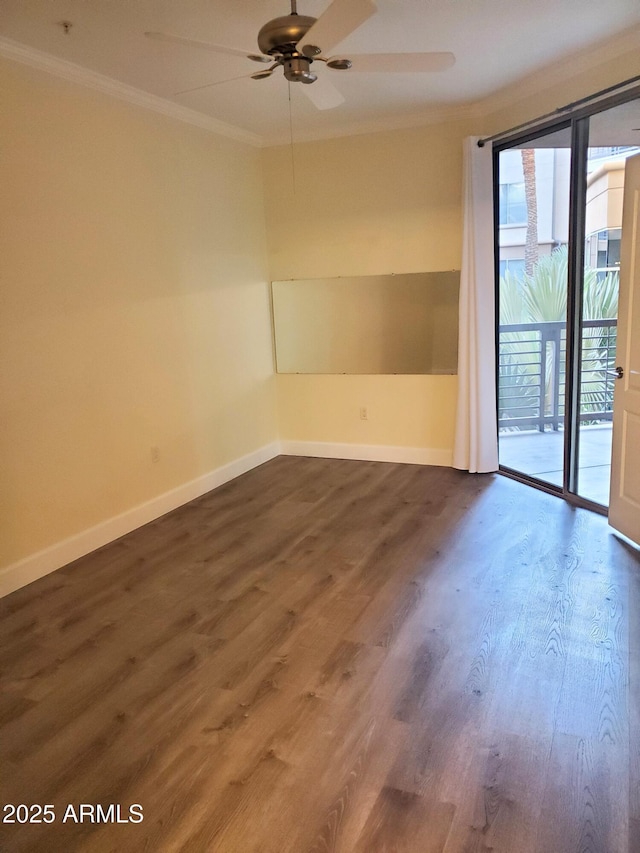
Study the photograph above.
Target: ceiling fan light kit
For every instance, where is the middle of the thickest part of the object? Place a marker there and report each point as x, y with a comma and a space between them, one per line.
297, 69
293, 42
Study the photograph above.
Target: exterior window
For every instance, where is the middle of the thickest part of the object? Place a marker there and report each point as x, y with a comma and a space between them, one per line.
513, 205
611, 151
603, 251
514, 265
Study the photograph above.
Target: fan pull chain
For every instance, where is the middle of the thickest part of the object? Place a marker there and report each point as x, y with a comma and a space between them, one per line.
293, 159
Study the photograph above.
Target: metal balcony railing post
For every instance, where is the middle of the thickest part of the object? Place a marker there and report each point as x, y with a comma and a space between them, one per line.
543, 376
556, 376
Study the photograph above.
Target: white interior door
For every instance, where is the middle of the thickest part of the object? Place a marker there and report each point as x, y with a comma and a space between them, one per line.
624, 504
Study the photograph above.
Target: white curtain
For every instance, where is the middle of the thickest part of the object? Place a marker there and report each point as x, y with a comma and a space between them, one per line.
476, 444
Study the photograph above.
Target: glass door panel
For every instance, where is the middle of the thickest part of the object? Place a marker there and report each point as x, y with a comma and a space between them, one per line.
533, 233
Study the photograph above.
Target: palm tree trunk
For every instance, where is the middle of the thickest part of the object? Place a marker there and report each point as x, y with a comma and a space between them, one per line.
531, 239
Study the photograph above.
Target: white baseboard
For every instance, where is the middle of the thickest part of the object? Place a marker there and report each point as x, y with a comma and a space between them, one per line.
369, 452
54, 557
48, 560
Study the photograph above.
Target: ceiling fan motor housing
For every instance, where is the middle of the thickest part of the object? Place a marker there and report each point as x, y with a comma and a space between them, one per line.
281, 35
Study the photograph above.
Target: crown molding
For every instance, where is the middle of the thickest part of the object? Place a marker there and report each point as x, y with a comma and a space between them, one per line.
429, 116
18, 52
545, 79
548, 77
42, 61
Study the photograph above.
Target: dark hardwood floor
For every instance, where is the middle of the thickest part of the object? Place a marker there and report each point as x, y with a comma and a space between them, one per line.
329, 655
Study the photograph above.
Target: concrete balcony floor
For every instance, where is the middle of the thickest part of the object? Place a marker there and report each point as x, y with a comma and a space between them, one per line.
540, 455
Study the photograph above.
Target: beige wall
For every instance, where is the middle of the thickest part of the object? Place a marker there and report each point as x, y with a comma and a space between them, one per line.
367, 205
135, 308
402, 412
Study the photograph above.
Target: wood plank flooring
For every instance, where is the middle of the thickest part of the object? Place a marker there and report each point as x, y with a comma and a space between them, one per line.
328, 655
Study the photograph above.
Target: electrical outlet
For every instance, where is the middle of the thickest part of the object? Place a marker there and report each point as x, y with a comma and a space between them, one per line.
155, 454
364, 415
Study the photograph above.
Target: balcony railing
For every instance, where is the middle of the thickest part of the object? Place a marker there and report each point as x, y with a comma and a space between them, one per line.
532, 374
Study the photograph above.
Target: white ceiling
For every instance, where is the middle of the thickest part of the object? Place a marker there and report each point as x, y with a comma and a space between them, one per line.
496, 42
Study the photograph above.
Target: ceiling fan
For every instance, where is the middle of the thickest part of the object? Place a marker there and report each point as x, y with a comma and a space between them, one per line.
294, 42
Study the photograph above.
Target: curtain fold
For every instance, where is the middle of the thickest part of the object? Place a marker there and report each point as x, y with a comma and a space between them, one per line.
476, 443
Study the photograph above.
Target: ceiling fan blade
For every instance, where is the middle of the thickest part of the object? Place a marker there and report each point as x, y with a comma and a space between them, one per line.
216, 83
322, 94
400, 62
336, 23
205, 45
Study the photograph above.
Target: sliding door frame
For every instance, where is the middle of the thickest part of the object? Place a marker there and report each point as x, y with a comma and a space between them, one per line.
575, 290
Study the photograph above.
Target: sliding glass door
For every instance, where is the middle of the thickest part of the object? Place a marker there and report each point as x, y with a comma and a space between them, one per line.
558, 227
